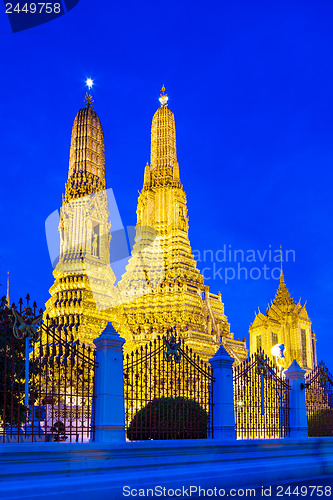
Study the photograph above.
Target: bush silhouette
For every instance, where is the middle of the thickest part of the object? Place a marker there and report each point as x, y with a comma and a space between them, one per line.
169, 418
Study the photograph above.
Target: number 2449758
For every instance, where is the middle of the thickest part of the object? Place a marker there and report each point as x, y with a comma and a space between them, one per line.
33, 8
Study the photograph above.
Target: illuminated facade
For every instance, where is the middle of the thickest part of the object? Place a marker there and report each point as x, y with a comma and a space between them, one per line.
162, 287
285, 322
83, 293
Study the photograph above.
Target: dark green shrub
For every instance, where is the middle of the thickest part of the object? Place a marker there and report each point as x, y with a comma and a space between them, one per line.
169, 418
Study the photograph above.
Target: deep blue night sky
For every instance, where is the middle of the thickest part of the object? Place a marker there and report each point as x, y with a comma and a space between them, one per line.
251, 86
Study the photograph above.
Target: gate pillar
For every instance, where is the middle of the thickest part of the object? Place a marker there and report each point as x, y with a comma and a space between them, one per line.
223, 395
298, 416
109, 388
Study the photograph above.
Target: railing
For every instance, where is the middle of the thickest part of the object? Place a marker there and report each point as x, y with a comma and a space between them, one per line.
46, 379
319, 401
261, 399
167, 392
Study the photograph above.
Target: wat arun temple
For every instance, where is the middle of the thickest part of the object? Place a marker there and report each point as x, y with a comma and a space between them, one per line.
162, 289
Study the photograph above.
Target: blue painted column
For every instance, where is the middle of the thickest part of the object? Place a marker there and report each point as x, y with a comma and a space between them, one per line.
298, 416
223, 395
109, 388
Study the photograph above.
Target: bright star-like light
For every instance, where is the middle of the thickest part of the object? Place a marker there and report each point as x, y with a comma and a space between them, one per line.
163, 100
89, 83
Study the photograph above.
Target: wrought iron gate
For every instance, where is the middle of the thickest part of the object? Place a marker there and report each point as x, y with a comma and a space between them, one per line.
46, 379
168, 392
319, 401
261, 399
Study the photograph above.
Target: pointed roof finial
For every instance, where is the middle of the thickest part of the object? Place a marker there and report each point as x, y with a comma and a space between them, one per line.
88, 98
7, 300
163, 98
281, 274
282, 296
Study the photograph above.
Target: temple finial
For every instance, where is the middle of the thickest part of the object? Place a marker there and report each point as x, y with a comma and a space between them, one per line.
88, 97
282, 296
7, 299
281, 274
163, 98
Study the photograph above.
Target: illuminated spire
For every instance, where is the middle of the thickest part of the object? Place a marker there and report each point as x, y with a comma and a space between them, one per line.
163, 138
88, 97
7, 300
86, 173
162, 286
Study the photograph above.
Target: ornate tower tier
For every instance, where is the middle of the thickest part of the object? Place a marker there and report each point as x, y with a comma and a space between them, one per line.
162, 287
87, 146
285, 322
163, 141
83, 293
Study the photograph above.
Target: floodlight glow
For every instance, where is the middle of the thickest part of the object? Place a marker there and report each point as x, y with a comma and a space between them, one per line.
163, 100
89, 83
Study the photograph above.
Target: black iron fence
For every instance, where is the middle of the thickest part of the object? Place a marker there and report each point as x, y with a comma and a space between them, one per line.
319, 401
46, 379
168, 392
261, 398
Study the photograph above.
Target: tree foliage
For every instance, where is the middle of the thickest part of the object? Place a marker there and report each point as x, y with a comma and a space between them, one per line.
12, 358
